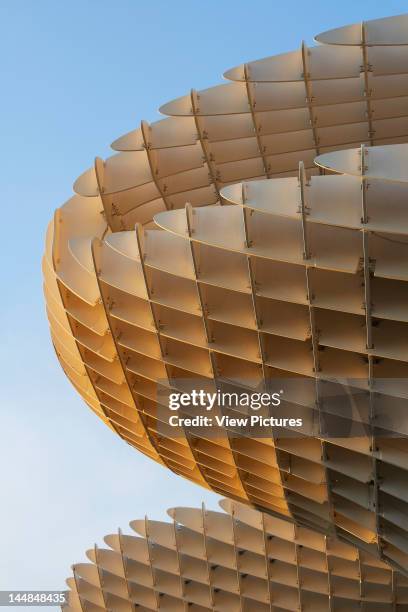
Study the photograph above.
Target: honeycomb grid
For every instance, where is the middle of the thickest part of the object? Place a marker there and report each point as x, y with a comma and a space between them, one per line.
232, 277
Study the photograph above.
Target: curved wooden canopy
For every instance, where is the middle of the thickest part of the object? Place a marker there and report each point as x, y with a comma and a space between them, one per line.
239, 561
176, 259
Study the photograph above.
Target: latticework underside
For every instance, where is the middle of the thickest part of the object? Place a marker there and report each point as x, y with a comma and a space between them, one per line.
304, 276
243, 561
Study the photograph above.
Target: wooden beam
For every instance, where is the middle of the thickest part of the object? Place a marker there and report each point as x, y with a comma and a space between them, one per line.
303, 209
366, 69
267, 564
202, 137
204, 528
152, 572
257, 318
238, 574
154, 171
309, 96
257, 127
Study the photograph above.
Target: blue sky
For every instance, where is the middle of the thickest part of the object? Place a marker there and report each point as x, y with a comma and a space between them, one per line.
76, 75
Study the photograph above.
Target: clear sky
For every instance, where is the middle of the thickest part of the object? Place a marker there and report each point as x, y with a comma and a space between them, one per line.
75, 76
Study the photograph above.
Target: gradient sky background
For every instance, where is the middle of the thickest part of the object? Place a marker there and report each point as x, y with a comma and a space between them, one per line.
76, 75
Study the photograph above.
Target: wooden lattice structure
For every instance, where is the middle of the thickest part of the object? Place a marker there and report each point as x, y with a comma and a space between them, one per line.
177, 259
243, 561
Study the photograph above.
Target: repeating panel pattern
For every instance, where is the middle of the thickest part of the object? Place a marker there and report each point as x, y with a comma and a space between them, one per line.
242, 561
272, 114
300, 277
